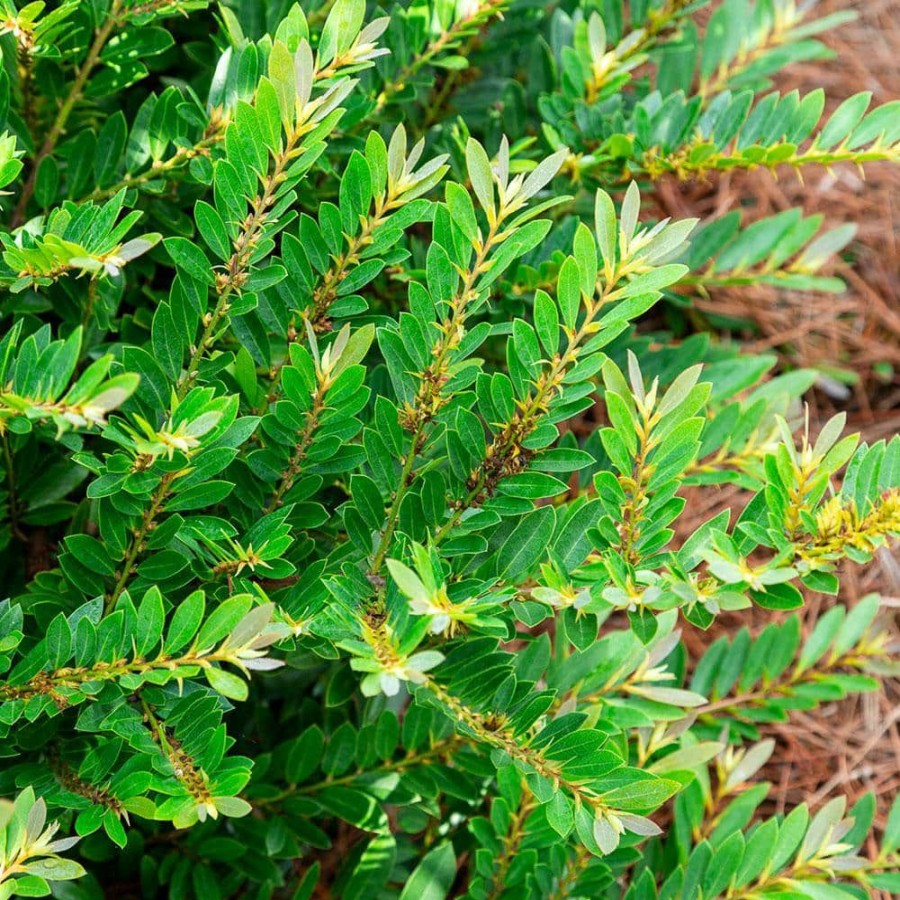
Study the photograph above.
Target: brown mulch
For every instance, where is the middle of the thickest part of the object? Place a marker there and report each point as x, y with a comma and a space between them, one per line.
853, 746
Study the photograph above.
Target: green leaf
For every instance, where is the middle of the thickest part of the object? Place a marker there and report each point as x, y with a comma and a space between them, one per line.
891, 839
222, 621
605, 224
284, 79
585, 252
269, 117
433, 877
569, 292
233, 806
858, 621
212, 230
462, 212
368, 499
91, 553
654, 281
189, 257
543, 173
409, 583
843, 120
821, 638
373, 867
546, 322
305, 755
479, 168
640, 795
561, 814
341, 28
778, 596
308, 883
527, 543
532, 486
185, 621
55, 869
150, 621
226, 683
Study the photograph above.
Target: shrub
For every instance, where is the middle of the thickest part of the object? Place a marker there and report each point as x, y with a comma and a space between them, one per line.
344, 522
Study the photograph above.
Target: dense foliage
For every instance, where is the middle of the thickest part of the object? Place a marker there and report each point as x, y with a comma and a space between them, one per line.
350, 394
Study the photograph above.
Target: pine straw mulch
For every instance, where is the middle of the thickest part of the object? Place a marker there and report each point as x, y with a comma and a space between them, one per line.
853, 746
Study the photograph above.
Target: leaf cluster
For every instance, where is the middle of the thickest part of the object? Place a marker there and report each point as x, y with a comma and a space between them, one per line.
346, 461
